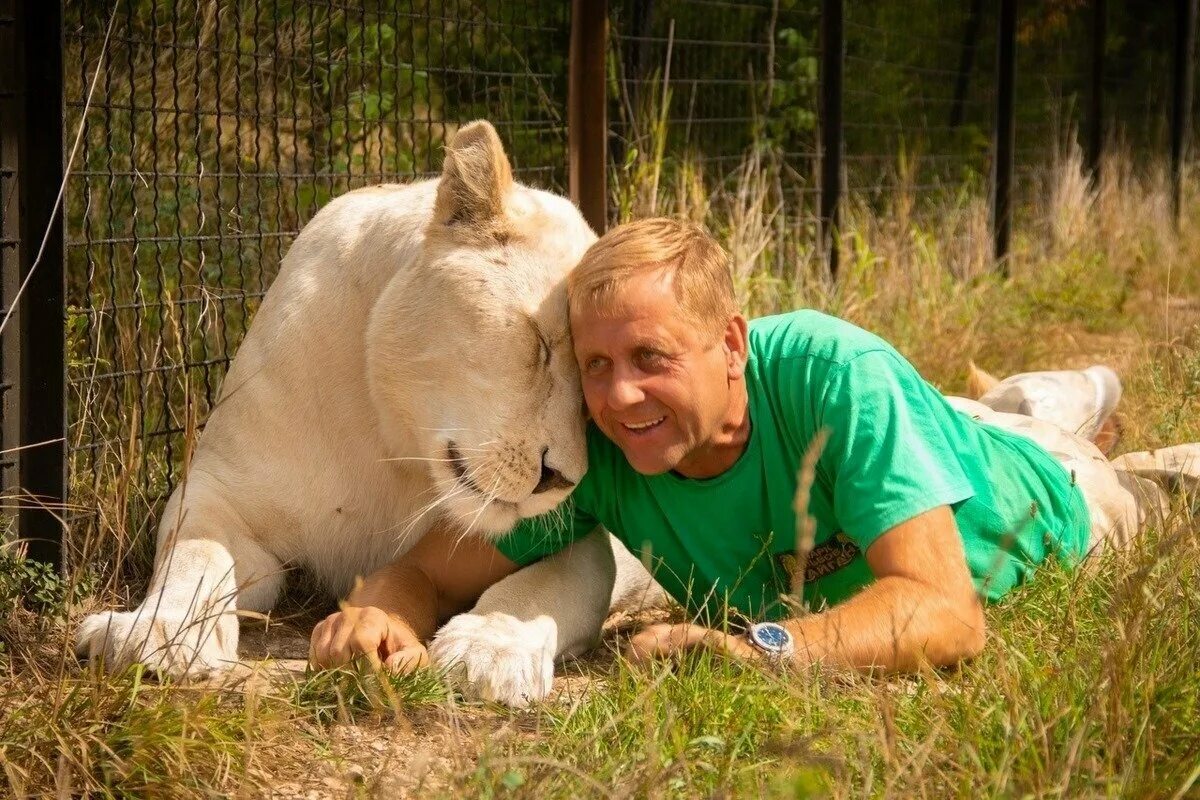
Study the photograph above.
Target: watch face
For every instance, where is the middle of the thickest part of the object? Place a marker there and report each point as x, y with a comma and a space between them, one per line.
770, 636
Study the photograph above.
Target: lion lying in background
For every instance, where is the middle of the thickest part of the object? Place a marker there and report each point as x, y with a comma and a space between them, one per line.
1083, 402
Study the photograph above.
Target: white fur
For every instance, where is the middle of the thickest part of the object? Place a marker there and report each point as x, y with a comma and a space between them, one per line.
497, 656
1078, 401
506, 647
393, 330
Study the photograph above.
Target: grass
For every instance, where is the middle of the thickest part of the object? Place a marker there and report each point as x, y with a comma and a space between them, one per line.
1080, 693
1088, 686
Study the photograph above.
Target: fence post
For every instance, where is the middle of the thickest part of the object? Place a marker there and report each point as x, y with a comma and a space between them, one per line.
33, 379
1096, 121
1005, 131
1181, 107
10, 274
833, 50
966, 62
587, 118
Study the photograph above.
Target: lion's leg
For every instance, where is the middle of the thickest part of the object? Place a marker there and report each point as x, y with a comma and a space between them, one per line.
635, 588
1176, 468
206, 567
504, 649
1082, 402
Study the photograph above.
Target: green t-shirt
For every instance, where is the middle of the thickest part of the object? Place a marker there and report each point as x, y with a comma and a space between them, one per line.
895, 449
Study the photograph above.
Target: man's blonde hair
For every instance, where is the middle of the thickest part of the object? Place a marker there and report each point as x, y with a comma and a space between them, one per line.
683, 252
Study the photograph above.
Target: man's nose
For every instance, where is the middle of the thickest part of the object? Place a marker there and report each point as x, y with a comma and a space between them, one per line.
624, 391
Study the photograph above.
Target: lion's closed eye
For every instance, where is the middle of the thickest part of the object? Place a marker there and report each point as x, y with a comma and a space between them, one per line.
542, 351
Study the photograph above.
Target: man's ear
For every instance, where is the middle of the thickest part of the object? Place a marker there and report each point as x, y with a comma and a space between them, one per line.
737, 346
476, 178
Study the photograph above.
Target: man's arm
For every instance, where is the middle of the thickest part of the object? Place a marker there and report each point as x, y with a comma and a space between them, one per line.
390, 616
921, 607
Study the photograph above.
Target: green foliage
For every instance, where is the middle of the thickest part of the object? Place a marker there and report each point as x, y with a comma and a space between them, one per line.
1077, 287
791, 115
38, 587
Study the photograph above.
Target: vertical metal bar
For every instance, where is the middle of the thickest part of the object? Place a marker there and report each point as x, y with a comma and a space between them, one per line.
1181, 107
966, 62
587, 120
1096, 121
42, 471
1005, 132
10, 270
833, 52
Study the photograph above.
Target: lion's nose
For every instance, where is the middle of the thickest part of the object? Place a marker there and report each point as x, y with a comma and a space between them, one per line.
551, 478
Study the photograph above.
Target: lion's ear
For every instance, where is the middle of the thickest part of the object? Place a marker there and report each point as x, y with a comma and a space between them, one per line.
979, 382
476, 178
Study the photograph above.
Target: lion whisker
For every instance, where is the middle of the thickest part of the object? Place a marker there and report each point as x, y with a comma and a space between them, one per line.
489, 497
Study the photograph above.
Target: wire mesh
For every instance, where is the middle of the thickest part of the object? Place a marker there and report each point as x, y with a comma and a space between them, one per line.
698, 83
217, 130
919, 98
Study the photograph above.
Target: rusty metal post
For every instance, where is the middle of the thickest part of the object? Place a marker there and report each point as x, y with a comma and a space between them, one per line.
587, 118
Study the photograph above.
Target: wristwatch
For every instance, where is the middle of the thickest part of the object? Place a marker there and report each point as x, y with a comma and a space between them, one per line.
771, 638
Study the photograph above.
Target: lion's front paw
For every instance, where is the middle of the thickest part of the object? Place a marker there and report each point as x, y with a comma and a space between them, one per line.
172, 643
497, 656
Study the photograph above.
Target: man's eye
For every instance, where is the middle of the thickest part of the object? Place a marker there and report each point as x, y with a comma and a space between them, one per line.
595, 365
649, 357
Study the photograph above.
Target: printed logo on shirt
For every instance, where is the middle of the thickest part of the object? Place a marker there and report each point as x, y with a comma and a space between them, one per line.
825, 559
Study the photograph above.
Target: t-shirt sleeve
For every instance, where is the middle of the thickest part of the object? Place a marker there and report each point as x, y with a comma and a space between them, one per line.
537, 537
888, 457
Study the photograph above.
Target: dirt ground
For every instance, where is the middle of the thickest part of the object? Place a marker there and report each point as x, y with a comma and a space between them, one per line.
420, 752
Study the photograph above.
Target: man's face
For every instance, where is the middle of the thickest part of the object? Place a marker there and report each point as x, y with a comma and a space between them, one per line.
655, 385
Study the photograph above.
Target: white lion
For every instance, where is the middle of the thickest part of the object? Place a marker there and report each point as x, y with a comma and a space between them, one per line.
412, 359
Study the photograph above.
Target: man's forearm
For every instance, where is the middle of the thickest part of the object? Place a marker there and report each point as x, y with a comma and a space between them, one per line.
402, 590
895, 624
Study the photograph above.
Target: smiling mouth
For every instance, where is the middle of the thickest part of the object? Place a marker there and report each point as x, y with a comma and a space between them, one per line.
642, 427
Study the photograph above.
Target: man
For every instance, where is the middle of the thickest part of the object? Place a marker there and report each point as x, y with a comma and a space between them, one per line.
699, 428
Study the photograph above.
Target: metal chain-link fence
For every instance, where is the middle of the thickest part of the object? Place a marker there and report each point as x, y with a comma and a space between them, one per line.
217, 129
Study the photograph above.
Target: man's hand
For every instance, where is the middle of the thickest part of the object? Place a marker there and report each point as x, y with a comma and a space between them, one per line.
390, 615
385, 640
666, 641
